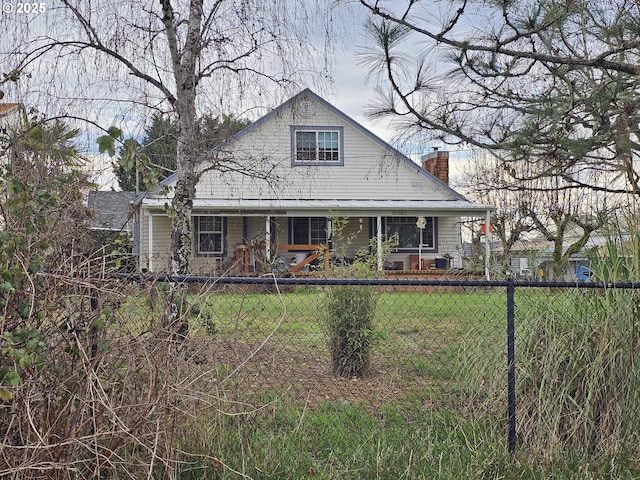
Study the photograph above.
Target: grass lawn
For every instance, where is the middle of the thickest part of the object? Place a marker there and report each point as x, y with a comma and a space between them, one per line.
340, 440
431, 406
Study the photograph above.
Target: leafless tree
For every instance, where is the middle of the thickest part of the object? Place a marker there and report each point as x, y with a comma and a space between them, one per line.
484, 181
529, 201
180, 57
172, 56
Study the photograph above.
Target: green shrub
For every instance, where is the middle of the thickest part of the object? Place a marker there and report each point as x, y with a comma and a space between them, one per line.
350, 315
350, 309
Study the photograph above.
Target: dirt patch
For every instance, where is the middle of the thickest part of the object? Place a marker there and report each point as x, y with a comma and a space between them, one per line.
305, 376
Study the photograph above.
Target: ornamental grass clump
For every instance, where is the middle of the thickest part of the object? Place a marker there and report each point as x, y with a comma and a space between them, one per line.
579, 376
350, 315
579, 362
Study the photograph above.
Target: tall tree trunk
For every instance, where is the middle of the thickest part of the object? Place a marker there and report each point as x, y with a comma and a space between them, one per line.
185, 189
184, 69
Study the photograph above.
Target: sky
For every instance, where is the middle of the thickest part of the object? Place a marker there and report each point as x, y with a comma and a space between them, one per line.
349, 92
351, 95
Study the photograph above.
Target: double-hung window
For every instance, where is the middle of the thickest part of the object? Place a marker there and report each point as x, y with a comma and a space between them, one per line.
209, 235
317, 146
405, 232
308, 230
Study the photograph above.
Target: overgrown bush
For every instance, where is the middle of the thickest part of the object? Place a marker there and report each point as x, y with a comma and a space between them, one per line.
350, 310
90, 386
350, 321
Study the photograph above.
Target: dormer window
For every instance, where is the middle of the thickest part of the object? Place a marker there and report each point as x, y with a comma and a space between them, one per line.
316, 146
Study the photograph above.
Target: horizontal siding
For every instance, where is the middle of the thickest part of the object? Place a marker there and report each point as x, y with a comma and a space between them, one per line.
448, 242
449, 239
355, 235
234, 231
161, 244
370, 171
199, 265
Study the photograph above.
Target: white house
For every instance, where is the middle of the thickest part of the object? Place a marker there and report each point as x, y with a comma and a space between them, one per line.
279, 183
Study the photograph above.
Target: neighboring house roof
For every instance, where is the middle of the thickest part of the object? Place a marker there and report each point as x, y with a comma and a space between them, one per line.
9, 114
544, 247
8, 108
111, 209
379, 178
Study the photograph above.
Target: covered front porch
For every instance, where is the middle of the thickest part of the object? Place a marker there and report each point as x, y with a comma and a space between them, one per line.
234, 237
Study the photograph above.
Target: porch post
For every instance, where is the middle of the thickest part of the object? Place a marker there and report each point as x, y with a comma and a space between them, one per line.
267, 241
137, 240
150, 264
487, 243
379, 242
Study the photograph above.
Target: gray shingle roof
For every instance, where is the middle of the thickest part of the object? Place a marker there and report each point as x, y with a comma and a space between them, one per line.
111, 209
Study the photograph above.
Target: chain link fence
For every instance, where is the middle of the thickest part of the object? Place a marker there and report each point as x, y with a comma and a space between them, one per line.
543, 366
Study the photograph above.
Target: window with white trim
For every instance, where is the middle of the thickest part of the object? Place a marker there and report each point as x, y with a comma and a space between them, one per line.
209, 235
316, 146
308, 230
407, 234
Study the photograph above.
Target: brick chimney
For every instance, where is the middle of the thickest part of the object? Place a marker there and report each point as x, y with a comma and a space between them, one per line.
437, 164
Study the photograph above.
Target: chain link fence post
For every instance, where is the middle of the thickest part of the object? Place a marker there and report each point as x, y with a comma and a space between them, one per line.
511, 368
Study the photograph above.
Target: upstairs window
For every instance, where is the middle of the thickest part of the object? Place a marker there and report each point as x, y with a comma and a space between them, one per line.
317, 146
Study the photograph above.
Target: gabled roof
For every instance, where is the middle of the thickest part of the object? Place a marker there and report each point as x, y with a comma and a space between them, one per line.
455, 201
347, 119
111, 209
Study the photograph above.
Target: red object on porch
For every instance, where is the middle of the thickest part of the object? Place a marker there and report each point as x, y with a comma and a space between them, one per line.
483, 228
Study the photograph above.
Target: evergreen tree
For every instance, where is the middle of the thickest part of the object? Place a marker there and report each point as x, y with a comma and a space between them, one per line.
155, 156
